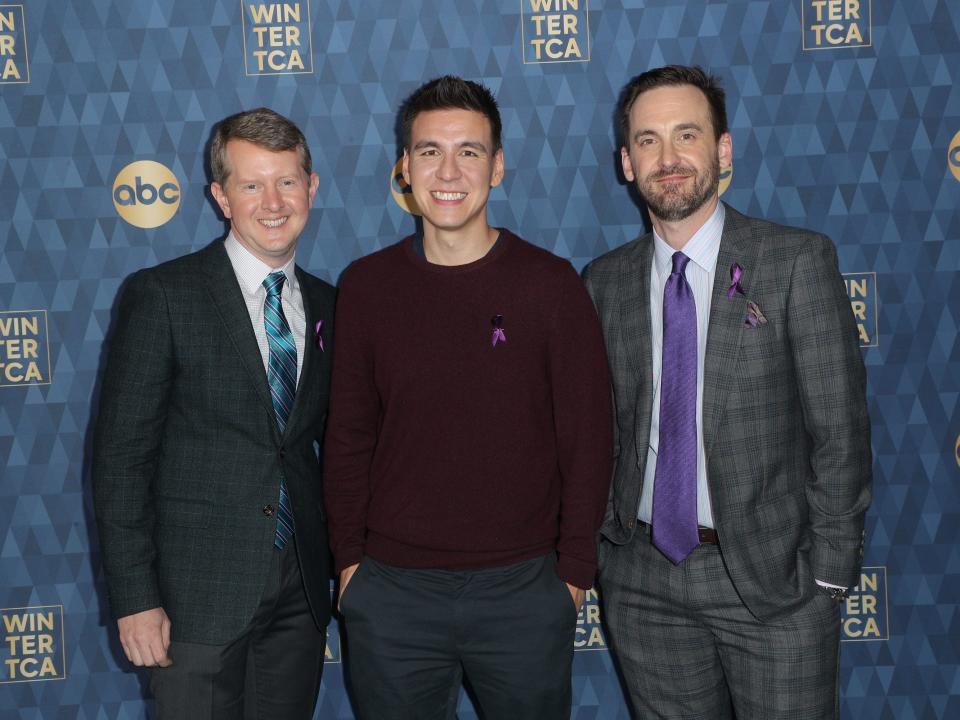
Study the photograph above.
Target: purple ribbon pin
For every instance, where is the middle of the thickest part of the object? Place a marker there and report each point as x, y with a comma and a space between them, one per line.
317, 328
498, 335
736, 272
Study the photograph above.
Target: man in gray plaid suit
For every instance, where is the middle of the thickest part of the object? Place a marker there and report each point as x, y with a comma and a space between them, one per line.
742, 441
206, 474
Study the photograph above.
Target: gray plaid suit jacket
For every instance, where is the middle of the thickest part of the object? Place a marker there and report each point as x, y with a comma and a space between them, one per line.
785, 420
187, 454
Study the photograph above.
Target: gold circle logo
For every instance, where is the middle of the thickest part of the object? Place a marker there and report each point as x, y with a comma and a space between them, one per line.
953, 156
726, 175
402, 193
146, 194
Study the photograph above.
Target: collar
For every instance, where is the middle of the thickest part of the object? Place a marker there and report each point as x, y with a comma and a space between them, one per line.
702, 249
251, 271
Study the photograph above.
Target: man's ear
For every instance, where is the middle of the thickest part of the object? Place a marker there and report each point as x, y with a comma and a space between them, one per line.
626, 165
725, 150
497, 177
221, 197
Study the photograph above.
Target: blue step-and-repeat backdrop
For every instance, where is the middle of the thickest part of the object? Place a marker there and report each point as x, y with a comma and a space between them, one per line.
845, 117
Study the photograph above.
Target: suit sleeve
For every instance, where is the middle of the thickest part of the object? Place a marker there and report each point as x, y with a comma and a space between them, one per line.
582, 419
352, 428
593, 292
832, 387
133, 406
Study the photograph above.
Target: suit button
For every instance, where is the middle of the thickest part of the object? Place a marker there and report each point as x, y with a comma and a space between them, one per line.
631, 523
268, 510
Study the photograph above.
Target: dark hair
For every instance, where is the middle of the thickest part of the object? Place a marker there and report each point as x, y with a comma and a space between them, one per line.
673, 75
451, 93
263, 127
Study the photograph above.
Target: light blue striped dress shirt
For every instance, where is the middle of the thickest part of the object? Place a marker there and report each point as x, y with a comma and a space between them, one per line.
702, 249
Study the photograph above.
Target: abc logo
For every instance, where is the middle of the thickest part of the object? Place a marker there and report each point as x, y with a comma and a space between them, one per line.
726, 175
953, 156
402, 194
146, 194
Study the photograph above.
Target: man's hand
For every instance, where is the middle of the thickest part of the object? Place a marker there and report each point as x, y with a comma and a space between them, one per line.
145, 637
578, 595
345, 576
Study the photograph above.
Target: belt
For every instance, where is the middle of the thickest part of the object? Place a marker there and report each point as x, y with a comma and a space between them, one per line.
707, 536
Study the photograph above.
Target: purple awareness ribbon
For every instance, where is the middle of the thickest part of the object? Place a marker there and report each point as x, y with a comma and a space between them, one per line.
736, 272
498, 334
317, 328
675, 479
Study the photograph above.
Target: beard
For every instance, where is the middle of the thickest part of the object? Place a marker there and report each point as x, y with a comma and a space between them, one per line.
670, 202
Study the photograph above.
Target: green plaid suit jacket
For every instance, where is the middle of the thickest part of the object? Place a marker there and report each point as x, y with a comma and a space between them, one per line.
785, 420
187, 453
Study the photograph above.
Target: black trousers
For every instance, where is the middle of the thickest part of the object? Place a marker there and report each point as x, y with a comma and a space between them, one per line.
412, 635
270, 672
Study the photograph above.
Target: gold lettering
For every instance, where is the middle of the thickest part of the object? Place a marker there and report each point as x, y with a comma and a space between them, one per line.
295, 60
869, 582
818, 7
276, 36
852, 9
6, 45
293, 35
859, 309
832, 36
569, 24
7, 23
864, 335
16, 623
856, 288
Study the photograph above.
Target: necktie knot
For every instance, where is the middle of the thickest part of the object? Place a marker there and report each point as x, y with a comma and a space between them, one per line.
274, 283
679, 263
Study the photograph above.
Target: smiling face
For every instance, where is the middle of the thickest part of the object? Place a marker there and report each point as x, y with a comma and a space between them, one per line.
450, 167
266, 196
672, 153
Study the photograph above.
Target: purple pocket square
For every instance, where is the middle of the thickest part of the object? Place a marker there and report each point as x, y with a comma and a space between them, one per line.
755, 316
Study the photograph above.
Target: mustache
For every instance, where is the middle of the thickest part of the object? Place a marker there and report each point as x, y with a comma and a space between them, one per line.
675, 169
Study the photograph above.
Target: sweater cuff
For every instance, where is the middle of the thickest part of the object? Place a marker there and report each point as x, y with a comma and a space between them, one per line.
347, 557
576, 572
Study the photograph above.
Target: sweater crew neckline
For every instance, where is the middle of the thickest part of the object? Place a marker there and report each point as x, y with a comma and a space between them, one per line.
503, 242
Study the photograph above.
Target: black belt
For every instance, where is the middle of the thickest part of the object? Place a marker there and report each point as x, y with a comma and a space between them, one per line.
708, 536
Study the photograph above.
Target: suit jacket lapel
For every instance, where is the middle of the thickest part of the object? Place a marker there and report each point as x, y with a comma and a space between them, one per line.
311, 350
634, 295
227, 298
737, 245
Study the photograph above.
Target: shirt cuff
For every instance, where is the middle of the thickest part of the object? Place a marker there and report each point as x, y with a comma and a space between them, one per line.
828, 585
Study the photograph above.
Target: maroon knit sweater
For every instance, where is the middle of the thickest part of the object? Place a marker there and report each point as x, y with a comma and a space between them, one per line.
444, 450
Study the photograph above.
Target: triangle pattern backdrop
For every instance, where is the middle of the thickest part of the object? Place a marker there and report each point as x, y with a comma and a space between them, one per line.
850, 141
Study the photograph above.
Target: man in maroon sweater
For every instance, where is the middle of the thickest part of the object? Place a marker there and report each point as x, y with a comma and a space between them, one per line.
468, 449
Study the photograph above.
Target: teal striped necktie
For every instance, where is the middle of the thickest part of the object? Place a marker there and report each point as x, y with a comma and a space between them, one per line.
282, 376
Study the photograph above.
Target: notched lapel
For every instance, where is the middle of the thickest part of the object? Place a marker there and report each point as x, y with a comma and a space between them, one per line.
634, 292
724, 334
311, 352
227, 298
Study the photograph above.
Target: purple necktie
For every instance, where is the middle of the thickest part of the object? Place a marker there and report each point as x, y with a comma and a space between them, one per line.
675, 481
